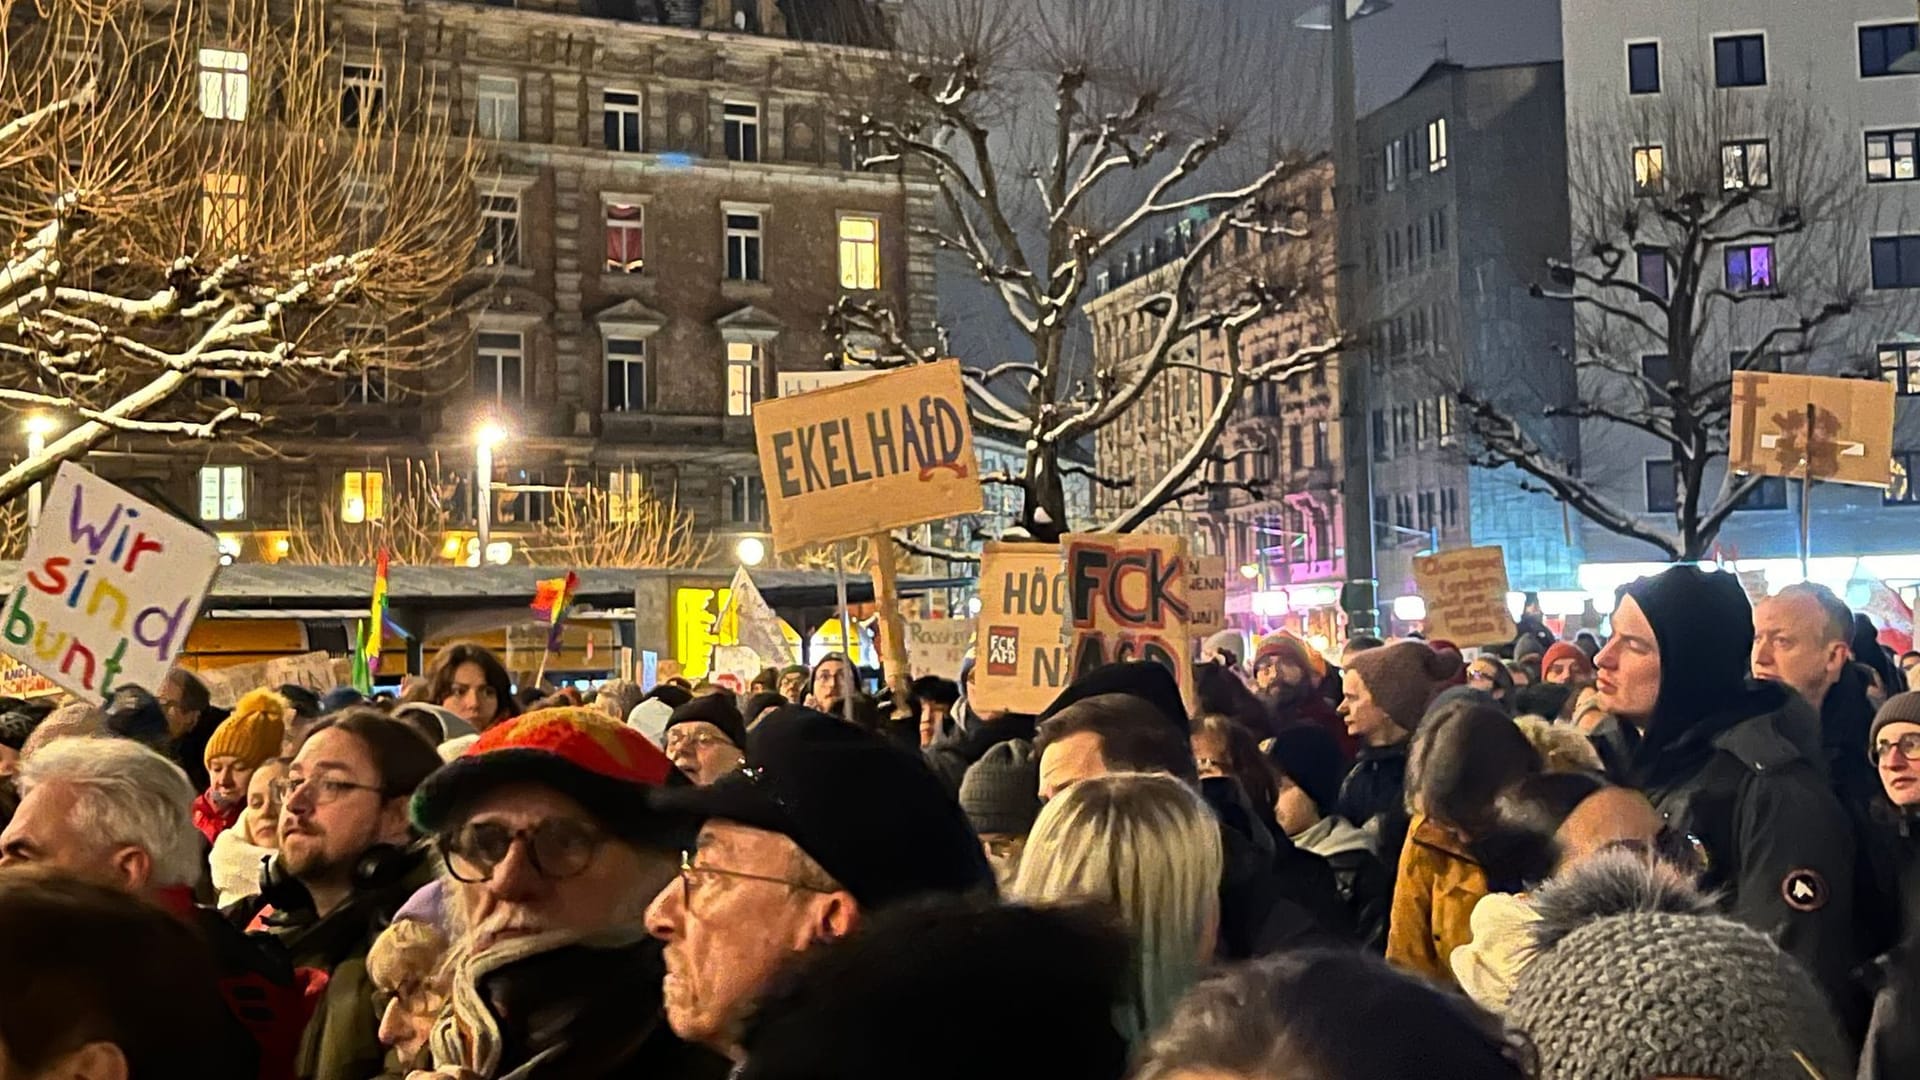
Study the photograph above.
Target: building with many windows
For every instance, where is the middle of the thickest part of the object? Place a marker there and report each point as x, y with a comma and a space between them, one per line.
668, 211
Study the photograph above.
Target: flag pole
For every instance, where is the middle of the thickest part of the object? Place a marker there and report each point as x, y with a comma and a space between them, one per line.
846, 622
1806, 500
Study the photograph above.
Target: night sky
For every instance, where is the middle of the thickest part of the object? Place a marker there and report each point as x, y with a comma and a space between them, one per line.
1397, 44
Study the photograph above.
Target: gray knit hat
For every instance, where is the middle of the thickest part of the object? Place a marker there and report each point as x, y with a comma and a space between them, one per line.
1633, 979
15, 727
1001, 791
1901, 708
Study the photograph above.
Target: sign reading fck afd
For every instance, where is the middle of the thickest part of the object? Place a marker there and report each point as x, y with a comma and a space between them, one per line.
111, 589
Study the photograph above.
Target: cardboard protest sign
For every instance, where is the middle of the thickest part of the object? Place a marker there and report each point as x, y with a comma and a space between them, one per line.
1466, 594
225, 685
755, 624
17, 680
938, 646
313, 670
1206, 595
734, 667
806, 382
112, 586
1127, 600
1021, 663
849, 461
1852, 427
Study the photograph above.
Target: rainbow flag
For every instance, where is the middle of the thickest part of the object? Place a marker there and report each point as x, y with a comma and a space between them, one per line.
551, 599
371, 641
361, 677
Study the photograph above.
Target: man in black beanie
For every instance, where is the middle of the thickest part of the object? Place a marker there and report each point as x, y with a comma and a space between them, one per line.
1734, 764
706, 738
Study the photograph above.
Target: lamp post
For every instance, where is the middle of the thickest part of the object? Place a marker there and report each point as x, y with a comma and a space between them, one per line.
485, 438
38, 428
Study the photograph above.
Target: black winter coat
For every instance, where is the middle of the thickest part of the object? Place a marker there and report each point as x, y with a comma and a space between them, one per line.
1273, 896
1374, 797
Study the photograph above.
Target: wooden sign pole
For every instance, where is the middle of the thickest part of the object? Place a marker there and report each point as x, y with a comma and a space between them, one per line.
846, 625
893, 636
1806, 498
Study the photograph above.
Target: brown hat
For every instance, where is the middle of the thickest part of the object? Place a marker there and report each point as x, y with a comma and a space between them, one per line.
1404, 676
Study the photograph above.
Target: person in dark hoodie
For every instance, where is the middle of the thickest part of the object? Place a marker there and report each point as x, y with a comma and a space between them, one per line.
1735, 764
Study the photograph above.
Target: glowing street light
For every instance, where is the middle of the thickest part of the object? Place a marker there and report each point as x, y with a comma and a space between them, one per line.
38, 427
750, 551
1249, 571
487, 435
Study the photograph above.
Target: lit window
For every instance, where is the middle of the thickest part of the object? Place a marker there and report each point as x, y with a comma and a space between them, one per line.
1437, 144
628, 388
223, 210
1902, 491
497, 108
500, 366
742, 122
1649, 169
743, 377
1749, 267
363, 496
1745, 165
626, 238
859, 252
224, 84
363, 93
500, 230
627, 495
1890, 155
223, 492
620, 117
1900, 367
743, 245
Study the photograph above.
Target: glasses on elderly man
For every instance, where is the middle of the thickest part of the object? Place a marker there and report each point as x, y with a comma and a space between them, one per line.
688, 870
1908, 745
681, 739
558, 849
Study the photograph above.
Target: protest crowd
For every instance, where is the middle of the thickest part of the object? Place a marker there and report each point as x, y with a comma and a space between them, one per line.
1684, 851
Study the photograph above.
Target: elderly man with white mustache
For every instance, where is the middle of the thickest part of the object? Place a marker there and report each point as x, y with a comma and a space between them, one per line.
551, 857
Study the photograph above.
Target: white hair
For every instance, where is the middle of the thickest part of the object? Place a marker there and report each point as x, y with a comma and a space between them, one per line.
125, 794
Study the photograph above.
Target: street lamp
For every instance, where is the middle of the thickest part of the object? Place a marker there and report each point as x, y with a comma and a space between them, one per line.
485, 437
750, 551
38, 427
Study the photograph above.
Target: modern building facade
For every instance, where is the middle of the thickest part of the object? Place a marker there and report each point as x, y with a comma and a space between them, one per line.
1844, 80
1461, 205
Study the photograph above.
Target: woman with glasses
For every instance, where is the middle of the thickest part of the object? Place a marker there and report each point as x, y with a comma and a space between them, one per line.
1488, 675
1893, 1039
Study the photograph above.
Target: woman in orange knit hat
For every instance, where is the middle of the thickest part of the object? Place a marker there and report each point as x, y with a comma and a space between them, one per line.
245, 739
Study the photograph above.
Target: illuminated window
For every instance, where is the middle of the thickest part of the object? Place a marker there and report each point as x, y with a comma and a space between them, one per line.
223, 210
223, 492
1437, 144
497, 110
363, 496
1649, 169
1745, 165
627, 494
626, 238
859, 252
743, 377
1890, 155
224, 84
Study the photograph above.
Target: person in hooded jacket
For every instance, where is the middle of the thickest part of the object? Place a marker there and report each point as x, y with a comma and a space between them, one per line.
1307, 768
1737, 765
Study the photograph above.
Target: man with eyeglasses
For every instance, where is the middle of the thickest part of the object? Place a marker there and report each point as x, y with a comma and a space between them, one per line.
551, 855
825, 825
706, 738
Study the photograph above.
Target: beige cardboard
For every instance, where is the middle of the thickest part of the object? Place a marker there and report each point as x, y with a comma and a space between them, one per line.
1127, 600
1466, 594
1852, 427
1021, 663
860, 459
1206, 595
938, 646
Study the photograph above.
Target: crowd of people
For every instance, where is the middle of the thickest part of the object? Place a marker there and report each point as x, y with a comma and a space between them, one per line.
1683, 851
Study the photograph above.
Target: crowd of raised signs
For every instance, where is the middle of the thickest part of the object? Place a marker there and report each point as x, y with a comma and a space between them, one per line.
1681, 851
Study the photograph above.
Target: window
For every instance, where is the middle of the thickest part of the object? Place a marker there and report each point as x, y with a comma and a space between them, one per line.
859, 252
1649, 169
1902, 491
1643, 67
1771, 494
1380, 510
223, 211
620, 116
1657, 369
363, 92
1436, 144
500, 230
628, 388
497, 108
1900, 367
1402, 426
1749, 267
1663, 489
1443, 418
743, 377
223, 389
499, 365
223, 492
1881, 46
1744, 165
1651, 263
1396, 163
1296, 446
223, 84
743, 245
1768, 360
368, 386
363, 496
626, 238
742, 122
1437, 230
1896, 262
1320, 443
746, 501
1740, 60
1450, 508
627, 495
1890, 155
1422, 421
1380, 431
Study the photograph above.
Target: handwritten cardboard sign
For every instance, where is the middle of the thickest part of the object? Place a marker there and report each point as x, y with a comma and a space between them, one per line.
1466, 594
112, 586
938, 646
17, 680
734, 667
1127, 600
1206, 595
1851, 441
1021, 663
855, 460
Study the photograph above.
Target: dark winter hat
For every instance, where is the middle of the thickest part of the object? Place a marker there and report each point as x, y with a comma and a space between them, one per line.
582, 753
16, 726
341, 697
1311, 758
134, 714
1901, 708
1001, 791
1404, 676
1703, 623
672, 696
1149, 682
761, 702
1541, 699
869, 812
306, 703
715, 709
1527, 645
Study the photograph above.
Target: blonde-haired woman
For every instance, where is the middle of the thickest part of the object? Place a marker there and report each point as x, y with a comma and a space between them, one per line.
1145, 846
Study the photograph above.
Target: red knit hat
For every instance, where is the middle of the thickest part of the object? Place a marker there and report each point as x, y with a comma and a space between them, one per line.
1564, 650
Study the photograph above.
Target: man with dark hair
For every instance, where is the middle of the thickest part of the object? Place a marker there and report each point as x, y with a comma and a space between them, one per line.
347, 861
1129, 718
191, 719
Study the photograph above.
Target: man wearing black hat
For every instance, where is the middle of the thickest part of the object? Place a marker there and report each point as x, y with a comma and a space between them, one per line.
706, 738
824, 825
1735, 764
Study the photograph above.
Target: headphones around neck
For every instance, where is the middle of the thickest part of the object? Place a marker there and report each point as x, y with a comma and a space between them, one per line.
379, 867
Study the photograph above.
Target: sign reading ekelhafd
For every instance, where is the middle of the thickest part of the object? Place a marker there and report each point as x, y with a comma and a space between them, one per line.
111, 586
860, 459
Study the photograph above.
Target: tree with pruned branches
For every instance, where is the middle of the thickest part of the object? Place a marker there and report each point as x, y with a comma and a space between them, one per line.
1713, 232
1057, 137
187, 198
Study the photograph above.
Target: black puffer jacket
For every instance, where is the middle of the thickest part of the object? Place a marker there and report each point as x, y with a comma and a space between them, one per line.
1273, 896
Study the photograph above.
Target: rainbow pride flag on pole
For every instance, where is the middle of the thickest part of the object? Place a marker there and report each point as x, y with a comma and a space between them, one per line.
551, 599
372, 640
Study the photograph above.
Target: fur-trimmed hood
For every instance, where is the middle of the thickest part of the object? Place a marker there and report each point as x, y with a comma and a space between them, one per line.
1613, 883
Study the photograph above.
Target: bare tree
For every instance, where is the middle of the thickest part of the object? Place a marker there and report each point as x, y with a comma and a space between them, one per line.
1713, 232
1060, 135
190, 196
593, 527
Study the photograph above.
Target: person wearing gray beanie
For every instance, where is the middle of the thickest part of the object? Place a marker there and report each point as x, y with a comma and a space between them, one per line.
1000, 797
1633, 977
